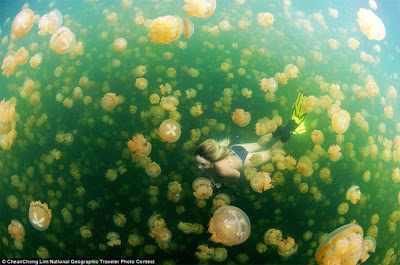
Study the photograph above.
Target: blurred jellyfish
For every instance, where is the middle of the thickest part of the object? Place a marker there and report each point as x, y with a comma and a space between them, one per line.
199, 8
120, 44
353, 194
305, 166
67, 217
340, 121
220, 254
113, 239
241, 118
272, 236
189, 228
21, 57
333, 12
265, 19
119, 219
221, 199
287, 247
343, 208
139, 146
153, 170
39, 215
342, 246
9, 65
35, 60
202, 188
229, 226
334, 152
368, 245
109, 101
62, 41
16, 230
317, 137
170, 131
168, 28
261, 181
42, 252
22, 23
85, 231
50, 22
371, 25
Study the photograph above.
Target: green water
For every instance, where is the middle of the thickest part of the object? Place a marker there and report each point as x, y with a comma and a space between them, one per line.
99, 137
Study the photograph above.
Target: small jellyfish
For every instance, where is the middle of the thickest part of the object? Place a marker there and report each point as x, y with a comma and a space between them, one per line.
371, 25
368, 245
340, 121
343, 208
109, 101
334, 152
221, 199
170, 131
353, 43
287, 247
153, 170
85, 231
265, 19
42, 252
39, 215
16, 230
9, 65
120, 44
241, 117
139, 146
261, 181
21, 57
36, 60
305, 166
229, 226
62, 41
199, 8
22, 23
317, 137
119, 219
202, 188
342, 246
188, 28
353, 194
141, 83
113, 238
50, 22
272, 236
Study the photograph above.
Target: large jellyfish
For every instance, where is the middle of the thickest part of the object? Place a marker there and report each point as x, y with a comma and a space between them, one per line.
39, 215
22, 23
371, 25
170, 131
62, 41
200, 8
229, 226
50, 23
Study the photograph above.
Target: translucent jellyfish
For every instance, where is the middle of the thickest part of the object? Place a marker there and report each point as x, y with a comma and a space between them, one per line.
317, 137
287, 247
120, 44
396, 175
62, 41
39, 215
21, 57
229, 226
265, 19
372, 4
202, 188
42, 252
204, 252
334, 44
188, 28
50, 22
334, 152
170, 131
272, 236
85, 232
333, 12
36, 60
340, 121
199, 8
343, 208
241, 117
221, 199
141, 83
153, 169
16, 230
371, 25
388, 111
109, 101
119, 219
9, 65
7, 124
261, 181
113, 239
291, 71
189, 228
342, 246
67, 217
368, 245
305, 166
353, 194
139, 146
220, 254
22, 23
166, 29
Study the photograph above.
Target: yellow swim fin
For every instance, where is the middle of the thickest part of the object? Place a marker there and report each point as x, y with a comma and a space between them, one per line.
299, 114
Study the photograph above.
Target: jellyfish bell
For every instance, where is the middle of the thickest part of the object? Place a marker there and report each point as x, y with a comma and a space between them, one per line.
16, 230
165, 29
369, 245
287, 247
50, 23
139, 146
200, 8
120, 44
170, 131
62, 41
340, 121
39, 215
342, 246
229, 226
188, 28
371, 25
353, 194
202, 188
22, 23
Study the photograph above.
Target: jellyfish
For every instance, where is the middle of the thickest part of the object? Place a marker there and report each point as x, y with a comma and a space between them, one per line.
170, 131
139, 146
141, 84
261, 181
50, 22
85, 232
120, 44
325, 175
16, 230
119, 219
199, 8
22, 23
39, 215
204, 252
371, 25
202, 188
9, 65
353, 194
343, 208
67, 217
188, 28
340, 121
287, 247
153, 170
7, 124
221, 199
42, 252
229, 226
317, 137
333, 12
62, 41
241, 117
272, 236
334, 152
165, 29
220, 254
291, 71
113, 239
109, 101
265, 19
305, 166
342, 246
368, 245
21, 57
36, 60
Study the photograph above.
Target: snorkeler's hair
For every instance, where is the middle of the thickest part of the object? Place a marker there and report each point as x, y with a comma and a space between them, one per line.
213, 150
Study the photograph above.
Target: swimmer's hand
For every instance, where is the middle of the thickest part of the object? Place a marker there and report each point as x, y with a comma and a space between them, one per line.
216, 187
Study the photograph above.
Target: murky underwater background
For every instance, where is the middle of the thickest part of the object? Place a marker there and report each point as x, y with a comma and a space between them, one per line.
99, 137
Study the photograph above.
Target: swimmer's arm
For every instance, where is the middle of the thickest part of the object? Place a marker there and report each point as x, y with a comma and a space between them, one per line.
228, 174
